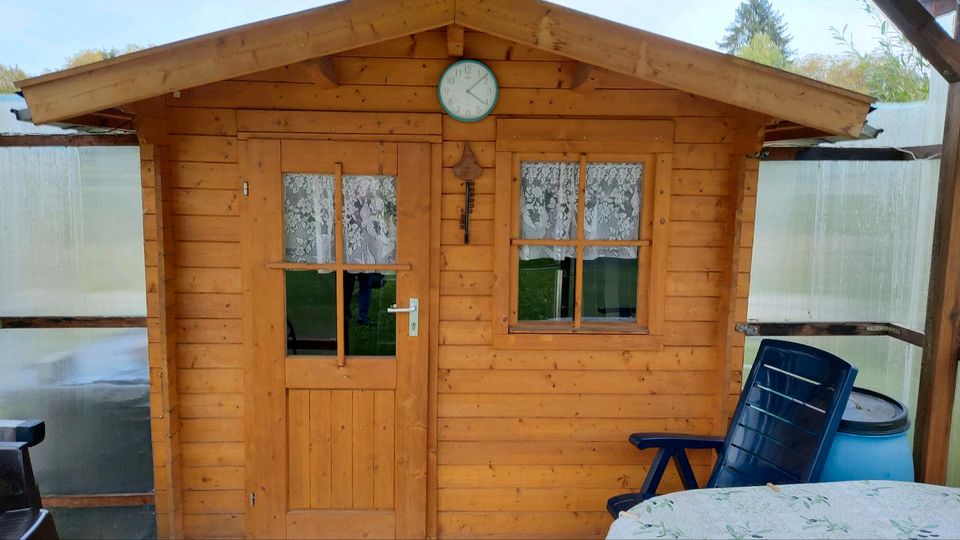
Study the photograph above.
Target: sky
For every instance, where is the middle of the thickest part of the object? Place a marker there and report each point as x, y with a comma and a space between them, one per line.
38, 35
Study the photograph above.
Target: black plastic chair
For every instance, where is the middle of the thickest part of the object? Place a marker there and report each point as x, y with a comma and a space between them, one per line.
22, 516
781, 431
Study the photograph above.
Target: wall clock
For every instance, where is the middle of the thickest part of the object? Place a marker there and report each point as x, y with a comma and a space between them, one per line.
468, 90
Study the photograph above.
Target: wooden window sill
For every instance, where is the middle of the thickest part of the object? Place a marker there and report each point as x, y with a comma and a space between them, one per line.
579, 341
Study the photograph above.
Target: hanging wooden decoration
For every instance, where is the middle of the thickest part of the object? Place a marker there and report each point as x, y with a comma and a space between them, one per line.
467, 170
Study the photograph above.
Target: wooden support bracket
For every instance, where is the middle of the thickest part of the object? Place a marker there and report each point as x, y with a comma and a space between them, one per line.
773, 329
586, 78
455, 40
324, 74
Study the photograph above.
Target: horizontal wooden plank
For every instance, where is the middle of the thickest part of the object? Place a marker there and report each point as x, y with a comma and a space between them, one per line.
193, 175
484, 152
207, 280
451, 207
466, 283
704, 130
566, 135
700, 182
698, 259
669, 358
213, 525
218, 405
208, 305
341, 524
205, 202
526, 499
698, 234
699, 208
214, 502
208, 355
206, 381
701, 156
700, 284
541, 453
523, 524
573, 405
208, 454
209, 331
339, 122
318, 372
627, 477
207, 228
478, 381
512, 101
692, 308
466, 308
562, 429
211, 430
208, 254
689, 333
465, 332
212, 478
452, 184
196, 121
204, 148
466, 258
481, 232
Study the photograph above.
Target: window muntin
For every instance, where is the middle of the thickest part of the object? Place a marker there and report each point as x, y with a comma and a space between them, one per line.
341, 232
581, 250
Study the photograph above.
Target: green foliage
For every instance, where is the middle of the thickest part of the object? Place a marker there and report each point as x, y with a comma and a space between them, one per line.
753, 18
763, 50
89, 56
9, 75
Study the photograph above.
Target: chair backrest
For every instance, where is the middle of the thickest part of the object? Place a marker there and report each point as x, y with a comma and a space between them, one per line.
786, 419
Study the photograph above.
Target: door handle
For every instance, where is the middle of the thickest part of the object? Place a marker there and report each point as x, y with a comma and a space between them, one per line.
413, 310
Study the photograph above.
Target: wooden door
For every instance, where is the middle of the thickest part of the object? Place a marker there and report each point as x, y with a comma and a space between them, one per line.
336, 419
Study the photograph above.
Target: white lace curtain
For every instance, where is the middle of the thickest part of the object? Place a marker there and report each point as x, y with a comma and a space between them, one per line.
548, 207
369, 219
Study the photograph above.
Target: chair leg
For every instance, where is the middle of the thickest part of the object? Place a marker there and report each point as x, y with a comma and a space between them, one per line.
655, 474
687, 478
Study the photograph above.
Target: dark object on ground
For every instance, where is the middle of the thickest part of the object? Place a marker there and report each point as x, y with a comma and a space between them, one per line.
21, 512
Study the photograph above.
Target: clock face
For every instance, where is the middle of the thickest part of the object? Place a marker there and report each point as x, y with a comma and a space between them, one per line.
468, 90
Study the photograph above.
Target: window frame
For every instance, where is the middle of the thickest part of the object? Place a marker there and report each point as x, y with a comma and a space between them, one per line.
645, 141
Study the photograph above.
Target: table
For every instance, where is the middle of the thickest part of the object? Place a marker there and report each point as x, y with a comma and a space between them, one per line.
860, 509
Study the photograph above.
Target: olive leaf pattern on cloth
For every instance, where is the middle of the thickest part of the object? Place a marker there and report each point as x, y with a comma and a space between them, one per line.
308, 219
860, 509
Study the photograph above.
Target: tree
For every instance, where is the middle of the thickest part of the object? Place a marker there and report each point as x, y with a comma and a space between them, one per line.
763, 50
756, 17
9, 75
89, 56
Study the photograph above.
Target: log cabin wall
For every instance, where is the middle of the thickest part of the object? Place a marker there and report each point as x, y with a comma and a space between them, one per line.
523, 443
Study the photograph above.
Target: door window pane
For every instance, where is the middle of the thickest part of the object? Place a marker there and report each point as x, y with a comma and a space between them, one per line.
370, 219
371, 331
610, 288
546, 287
308, 218
548, 202
612, 207
311, 312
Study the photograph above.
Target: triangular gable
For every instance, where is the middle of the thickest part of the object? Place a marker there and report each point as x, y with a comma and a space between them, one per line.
348, 25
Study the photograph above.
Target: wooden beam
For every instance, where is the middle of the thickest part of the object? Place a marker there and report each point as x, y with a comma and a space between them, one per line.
68, 140
231, 53
679, 65
831, 329
938, 368
455, 40
923, 31
586, 78
939, 7
73, 322
98, 500
846, 153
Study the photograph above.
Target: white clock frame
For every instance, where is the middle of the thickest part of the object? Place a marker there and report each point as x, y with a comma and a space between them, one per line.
448, 90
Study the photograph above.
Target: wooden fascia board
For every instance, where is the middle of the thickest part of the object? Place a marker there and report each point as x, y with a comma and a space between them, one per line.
669, 62
231, 53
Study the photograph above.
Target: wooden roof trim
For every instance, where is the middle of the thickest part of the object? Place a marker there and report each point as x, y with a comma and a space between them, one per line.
330, 29
673, 63
230, 53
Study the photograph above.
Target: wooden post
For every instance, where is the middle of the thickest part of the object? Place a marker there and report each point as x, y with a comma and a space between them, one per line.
938, 370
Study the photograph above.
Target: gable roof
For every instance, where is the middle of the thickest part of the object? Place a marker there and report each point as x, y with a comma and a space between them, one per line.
356, 23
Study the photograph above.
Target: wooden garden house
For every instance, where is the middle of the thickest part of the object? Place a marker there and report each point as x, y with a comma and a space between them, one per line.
570, 213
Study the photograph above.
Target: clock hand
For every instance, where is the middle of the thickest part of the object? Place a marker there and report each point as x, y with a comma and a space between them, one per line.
478, 82
475, 97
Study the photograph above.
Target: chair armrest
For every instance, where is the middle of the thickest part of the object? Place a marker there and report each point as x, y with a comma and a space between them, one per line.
675, 442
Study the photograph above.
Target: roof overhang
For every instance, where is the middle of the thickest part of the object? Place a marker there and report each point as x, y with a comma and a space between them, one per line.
348, 25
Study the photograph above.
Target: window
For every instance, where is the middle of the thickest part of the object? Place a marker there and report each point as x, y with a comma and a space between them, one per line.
581, 239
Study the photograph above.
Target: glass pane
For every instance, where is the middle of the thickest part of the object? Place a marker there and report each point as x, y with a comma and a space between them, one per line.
548, 200
130, 522
612, 206
63, 213
370, 219
610, 288
371, 331
91, 387
308, 219
546, 288
311, 312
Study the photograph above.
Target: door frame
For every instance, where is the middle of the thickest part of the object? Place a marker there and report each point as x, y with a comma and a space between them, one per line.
265, 409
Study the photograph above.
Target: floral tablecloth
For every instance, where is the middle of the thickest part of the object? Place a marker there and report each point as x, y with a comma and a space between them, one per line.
862, 509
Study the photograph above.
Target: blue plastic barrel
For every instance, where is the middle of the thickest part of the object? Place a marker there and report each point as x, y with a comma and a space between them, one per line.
871, 442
